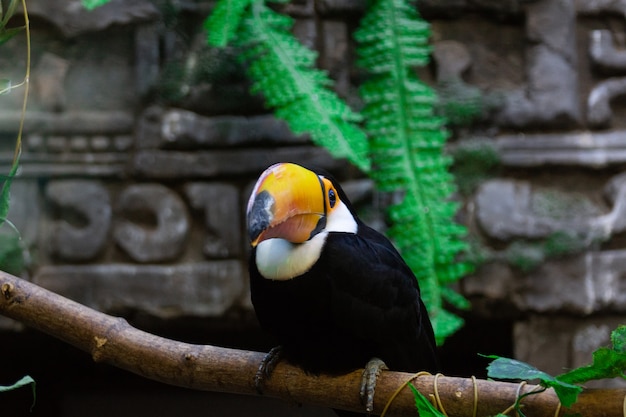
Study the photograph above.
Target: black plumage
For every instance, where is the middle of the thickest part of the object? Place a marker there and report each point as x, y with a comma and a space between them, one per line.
359, 300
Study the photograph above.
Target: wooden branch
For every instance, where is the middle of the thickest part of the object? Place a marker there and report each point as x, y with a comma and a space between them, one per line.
112, 340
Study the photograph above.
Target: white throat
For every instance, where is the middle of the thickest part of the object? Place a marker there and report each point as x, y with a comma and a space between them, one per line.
279, 259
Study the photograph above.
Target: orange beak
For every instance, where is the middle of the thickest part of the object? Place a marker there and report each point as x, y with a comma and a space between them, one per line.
287, 202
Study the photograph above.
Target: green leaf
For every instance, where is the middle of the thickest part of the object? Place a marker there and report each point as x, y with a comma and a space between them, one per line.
618, 339
407, 150
26, 380
5, 194
92, 4
424, 407
607, 362
567, 393
11, 253
282, 69
5, 85
455, 299
445, 324
505, 368
224, 20
7, 34
6, 16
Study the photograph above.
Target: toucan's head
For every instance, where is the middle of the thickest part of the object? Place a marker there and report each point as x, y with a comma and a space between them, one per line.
293, 203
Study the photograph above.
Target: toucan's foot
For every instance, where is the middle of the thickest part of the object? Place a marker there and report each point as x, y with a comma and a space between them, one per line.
266, 367
368, 382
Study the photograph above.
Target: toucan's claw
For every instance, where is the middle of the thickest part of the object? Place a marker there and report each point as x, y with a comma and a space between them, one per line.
368, 382
266, 367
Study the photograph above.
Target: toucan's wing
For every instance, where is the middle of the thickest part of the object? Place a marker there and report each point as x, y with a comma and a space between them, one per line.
375, 296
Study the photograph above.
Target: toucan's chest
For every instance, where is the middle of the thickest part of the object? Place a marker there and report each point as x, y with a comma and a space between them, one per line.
303, 315
357, 301
303, 299
305, 306
349, 271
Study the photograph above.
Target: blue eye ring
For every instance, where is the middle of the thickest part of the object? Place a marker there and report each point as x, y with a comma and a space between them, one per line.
332, 198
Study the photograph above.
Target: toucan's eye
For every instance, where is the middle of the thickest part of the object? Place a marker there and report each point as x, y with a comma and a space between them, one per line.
332, 198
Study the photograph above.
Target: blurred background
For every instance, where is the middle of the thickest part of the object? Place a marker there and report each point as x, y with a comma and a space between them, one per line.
141, 145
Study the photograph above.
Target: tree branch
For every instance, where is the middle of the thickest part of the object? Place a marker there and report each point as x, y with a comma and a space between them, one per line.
112, 340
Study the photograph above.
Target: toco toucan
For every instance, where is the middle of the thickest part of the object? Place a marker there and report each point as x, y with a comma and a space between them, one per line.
334, 292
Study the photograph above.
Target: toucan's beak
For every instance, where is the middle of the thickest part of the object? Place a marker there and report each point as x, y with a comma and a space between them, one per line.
287, 202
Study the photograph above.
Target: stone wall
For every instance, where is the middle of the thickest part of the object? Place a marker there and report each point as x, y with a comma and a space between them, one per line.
141, 146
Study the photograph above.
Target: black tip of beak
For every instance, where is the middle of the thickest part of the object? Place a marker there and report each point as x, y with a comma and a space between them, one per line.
260, 214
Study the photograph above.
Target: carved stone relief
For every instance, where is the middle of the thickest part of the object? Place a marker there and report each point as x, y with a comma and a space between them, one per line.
564, 119
79, 201
166, 239
155, 269
551, 94
142, 202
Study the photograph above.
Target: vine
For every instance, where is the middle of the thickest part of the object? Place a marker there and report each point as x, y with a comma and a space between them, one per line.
5, 191
5, 35
608, 362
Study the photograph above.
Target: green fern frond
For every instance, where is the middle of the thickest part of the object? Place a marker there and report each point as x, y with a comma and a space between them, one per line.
407, 141
223, 22
282, 70
383, 48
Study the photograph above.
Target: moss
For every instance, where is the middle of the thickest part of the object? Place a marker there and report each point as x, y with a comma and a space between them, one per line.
463, 104
475, 160
563, 243
206, 65
525, 256
559, 205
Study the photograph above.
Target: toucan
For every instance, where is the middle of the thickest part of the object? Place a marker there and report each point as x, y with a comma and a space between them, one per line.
335, 293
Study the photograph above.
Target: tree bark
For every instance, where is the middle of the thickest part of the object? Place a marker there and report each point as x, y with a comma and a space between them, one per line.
112, 340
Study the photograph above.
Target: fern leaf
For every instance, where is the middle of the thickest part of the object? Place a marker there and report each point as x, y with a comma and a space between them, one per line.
282, 70
406, 145
223, 22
